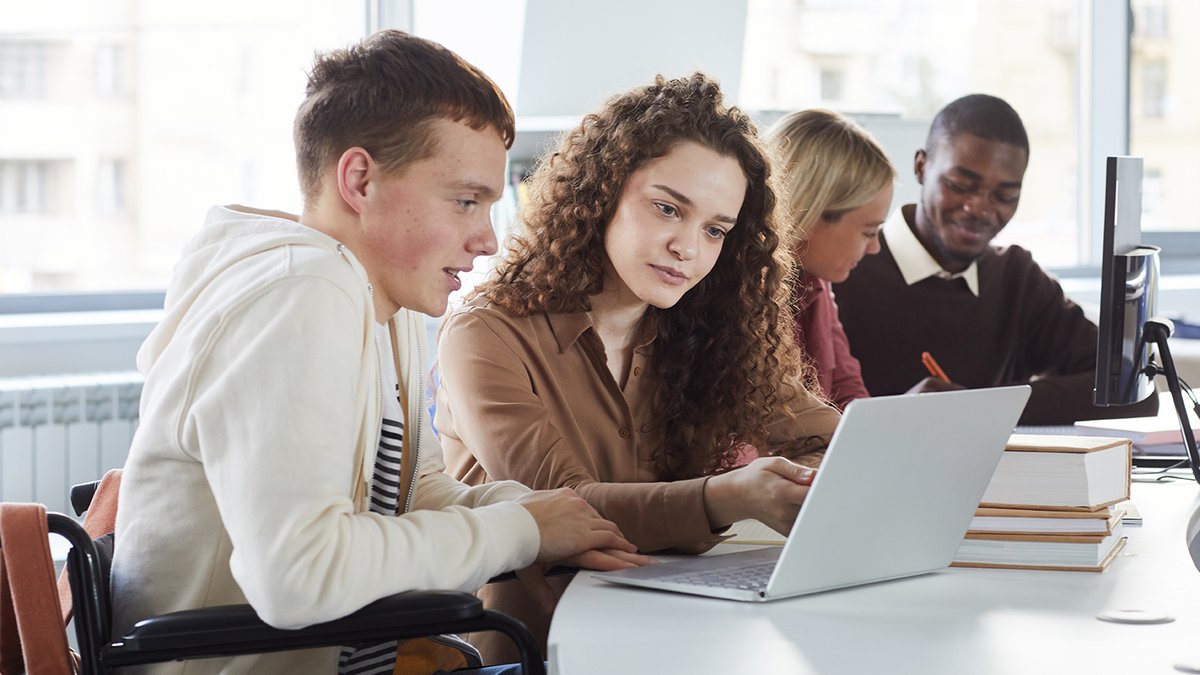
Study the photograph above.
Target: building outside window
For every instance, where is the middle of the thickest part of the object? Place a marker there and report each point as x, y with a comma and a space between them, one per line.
22, 186
1151, 18
894, 82
136, 117
1163, 126
831, 85
22, 68
112, 76
1153, 216
121, 122
1153, 88
112, 197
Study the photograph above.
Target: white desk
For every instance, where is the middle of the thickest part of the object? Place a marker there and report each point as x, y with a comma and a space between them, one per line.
953, 621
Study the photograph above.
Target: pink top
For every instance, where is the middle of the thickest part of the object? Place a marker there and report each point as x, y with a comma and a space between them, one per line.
820, 334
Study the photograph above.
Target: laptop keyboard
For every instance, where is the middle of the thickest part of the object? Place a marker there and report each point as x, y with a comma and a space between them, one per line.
747, 577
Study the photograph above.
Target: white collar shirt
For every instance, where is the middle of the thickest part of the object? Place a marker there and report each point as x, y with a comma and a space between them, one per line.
914, 261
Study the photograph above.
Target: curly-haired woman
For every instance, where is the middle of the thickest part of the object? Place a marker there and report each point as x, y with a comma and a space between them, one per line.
636, 338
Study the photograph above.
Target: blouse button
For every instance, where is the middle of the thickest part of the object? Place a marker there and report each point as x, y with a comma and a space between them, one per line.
637, 370
623, 432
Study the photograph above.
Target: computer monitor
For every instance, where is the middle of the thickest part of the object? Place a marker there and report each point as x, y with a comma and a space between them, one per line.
1132, 347
1128, 290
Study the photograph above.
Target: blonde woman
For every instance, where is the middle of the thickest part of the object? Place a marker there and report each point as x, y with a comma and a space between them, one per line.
838, 187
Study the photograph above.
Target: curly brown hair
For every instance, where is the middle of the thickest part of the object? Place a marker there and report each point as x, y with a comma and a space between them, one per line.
724, 355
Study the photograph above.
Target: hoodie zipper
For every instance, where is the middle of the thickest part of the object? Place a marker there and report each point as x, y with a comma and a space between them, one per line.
379, 394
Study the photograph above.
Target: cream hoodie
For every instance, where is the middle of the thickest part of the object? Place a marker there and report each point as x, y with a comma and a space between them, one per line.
259, 422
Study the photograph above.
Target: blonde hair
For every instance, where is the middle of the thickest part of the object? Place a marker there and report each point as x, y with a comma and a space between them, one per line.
830, 165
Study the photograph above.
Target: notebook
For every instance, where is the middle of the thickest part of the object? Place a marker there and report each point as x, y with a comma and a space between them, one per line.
895, 493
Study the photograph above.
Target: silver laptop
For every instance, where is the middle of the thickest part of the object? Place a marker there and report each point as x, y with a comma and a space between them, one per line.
893, 498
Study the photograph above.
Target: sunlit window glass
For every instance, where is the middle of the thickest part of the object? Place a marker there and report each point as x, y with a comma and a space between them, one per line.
121, 122
1163, 126
860, 57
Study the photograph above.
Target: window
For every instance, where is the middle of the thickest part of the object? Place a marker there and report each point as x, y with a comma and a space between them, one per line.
22, 68
111, 197
1150, 20
1152, 199
831, 85
894, 86
22, 187
1162, 126
138, 118
135, 119
111, 76
1154, 89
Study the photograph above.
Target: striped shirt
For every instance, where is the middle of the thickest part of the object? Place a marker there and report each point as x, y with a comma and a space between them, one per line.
384, 498
380, 658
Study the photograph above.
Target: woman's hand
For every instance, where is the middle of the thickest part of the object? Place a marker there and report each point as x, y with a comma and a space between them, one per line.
769, 489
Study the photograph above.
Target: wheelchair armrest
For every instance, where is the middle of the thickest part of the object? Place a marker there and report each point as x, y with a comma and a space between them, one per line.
236, 629
556, 571
81, 496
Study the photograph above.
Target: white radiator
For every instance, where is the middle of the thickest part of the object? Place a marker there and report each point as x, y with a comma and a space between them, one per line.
59, 431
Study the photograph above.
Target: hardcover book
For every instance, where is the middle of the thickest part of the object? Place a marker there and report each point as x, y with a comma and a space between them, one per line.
1083, 473
1045, 521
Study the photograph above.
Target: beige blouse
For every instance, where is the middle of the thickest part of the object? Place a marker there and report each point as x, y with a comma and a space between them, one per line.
532, 399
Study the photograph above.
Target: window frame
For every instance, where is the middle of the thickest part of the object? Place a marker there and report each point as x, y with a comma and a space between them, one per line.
1104, 130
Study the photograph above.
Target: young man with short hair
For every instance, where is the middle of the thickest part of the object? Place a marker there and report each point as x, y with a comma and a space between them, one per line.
284, 456
988, 314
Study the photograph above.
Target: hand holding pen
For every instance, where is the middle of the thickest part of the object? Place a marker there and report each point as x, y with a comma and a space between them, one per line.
937, 381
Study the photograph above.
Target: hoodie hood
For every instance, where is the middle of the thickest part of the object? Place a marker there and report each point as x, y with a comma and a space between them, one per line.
235, 237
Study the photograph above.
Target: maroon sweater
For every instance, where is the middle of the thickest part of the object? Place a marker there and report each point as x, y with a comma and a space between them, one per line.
1021, 329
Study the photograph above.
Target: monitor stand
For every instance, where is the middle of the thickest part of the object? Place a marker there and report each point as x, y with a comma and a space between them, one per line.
1156, 331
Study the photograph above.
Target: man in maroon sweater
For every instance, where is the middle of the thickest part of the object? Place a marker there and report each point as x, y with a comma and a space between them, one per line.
989, 315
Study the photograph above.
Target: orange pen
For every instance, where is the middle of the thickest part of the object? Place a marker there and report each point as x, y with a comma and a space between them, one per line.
932, 366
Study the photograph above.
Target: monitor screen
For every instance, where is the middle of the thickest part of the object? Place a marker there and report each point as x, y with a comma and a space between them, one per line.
1128, 289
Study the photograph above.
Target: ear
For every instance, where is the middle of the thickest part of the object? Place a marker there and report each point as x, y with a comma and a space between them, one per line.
919, 166
354, 171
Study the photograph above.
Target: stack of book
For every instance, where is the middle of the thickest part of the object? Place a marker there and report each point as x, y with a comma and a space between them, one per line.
1054, 503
